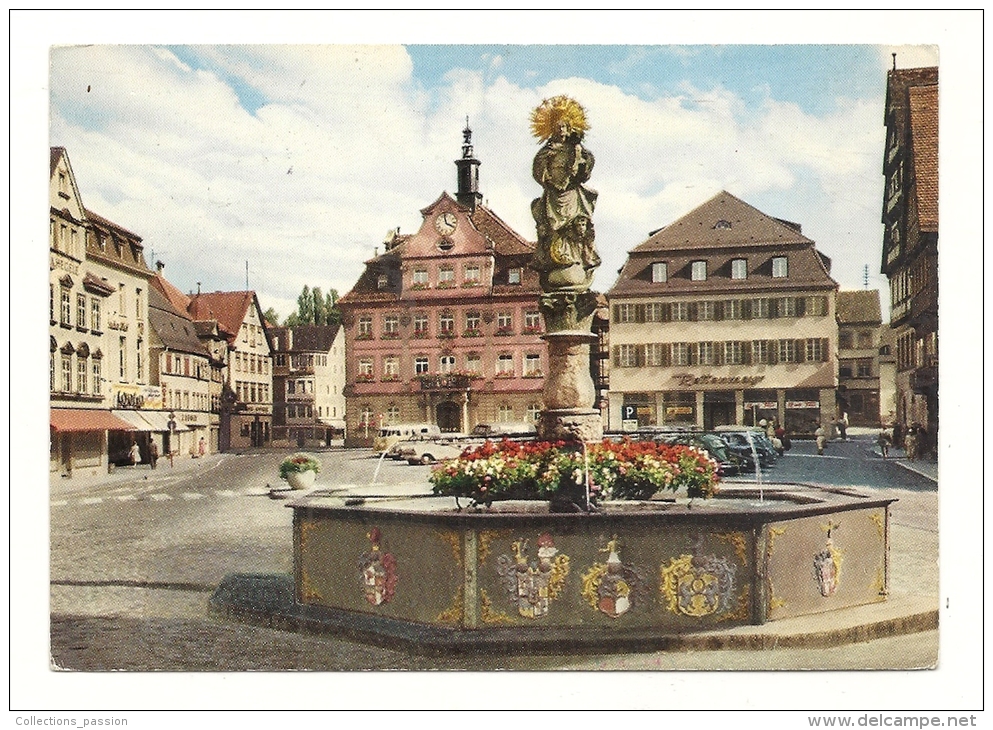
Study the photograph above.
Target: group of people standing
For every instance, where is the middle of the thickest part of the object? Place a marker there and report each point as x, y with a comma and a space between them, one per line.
134, 454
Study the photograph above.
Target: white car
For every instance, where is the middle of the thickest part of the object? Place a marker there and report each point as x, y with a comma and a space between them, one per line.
430, 452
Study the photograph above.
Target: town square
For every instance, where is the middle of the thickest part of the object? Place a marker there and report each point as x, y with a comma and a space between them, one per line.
491, 360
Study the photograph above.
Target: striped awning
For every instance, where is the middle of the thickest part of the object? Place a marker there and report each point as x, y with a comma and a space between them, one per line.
66, 420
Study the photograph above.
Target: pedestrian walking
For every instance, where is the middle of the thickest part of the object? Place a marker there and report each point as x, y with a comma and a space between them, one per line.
843, 426
135, 454
910, 443
202, 447
883, 441
784, 438
819, 436
153, 454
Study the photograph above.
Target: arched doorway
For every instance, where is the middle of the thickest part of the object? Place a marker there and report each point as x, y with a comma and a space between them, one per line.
449, 416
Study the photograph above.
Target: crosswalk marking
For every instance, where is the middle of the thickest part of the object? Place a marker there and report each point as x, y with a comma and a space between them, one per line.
58, 503
158, 497
192, 495
93, 500
225, 493
125, 498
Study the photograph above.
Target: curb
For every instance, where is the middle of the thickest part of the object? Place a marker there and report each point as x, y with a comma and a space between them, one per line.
268, 600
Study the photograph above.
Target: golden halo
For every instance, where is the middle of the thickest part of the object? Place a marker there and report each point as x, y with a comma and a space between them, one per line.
546, 117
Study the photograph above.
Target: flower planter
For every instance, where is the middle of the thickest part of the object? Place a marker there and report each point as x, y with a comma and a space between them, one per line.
301, 479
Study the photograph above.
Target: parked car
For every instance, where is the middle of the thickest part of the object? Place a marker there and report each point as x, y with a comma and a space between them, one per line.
430, 451
743, 438
498, 430
389, 435
728, 462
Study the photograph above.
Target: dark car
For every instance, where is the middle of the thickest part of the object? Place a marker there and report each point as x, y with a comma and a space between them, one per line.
728, 463
752, 443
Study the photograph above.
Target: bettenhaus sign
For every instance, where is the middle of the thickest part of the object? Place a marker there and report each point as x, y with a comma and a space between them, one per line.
136, 397
689, 379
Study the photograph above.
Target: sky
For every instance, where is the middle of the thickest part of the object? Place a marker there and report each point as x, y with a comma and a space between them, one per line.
285, 165
220, 140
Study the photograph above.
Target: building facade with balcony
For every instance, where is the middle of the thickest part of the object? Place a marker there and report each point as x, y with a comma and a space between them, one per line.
910, 244
308, 382
859, 347
443, 327
245, 418
97, 336
725, 316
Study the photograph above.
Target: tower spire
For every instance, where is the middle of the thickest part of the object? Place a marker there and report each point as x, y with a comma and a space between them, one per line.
468, 193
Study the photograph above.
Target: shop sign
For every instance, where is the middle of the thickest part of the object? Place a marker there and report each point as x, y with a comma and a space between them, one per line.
629, 425
792, 404
769, 405
136, 397
117, 324
63, 264
688, 379
679, 411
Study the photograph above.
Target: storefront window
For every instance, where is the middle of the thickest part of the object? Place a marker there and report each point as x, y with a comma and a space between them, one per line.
679, 407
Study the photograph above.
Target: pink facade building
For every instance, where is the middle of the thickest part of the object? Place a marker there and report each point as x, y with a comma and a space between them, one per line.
443, 327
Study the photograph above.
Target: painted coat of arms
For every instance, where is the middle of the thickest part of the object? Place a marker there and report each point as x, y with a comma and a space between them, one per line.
378, 571
613, 587
698, 585
533, 583
827, 565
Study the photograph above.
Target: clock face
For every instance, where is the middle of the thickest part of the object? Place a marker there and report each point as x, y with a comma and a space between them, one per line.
446, 223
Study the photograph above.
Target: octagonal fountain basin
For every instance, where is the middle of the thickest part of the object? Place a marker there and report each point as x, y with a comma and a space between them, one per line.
744, 557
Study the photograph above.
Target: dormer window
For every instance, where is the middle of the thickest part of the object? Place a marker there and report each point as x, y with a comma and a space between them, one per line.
698, 271
739, 269
382, 281
514, 276
722, 225
779, 267
660, 272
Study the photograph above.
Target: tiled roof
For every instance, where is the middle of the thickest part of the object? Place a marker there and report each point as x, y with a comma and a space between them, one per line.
506, 241
861, 306
227, 308
719, 231
174, 329
306, 338
723, 221
105, 223
130, 254
56, 155
924, 138
179, 301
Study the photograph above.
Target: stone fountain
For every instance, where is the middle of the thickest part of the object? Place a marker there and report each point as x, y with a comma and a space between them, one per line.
424, 573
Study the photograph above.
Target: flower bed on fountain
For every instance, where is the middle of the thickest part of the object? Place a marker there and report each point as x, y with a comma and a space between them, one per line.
545, 470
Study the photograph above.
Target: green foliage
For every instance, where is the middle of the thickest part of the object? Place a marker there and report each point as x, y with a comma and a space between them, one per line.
298, 463
315, 307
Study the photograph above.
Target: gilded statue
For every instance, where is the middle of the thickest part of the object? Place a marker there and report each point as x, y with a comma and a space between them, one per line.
565, 257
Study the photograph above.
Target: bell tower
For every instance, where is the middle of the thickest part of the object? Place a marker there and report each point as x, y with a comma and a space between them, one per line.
468, 193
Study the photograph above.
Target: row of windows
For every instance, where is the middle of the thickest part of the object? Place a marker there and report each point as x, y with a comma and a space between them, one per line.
88, 373
860, 368
445, 277
186, 400
185, 365
848, 340
748, 352
252, 392
87, 309
448, 364
914, 352
505, 413
250, 362
739, 269
122, 358
252, 334
446, 324
728, 309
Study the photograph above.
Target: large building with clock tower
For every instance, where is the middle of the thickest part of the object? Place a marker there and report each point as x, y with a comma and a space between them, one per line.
443, 327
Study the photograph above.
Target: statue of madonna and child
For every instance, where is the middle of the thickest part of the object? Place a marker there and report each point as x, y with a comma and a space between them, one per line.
565, 257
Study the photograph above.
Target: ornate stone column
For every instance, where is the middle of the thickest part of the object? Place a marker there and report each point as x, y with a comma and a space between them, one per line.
565, 259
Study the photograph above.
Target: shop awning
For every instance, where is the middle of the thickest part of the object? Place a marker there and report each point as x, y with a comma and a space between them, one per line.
65, 420
159, 420
333, 423
138, 423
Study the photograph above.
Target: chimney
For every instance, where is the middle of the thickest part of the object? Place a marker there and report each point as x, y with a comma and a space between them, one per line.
159, 266
468, 193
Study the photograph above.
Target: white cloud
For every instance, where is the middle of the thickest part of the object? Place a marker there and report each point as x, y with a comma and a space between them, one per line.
345, 145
